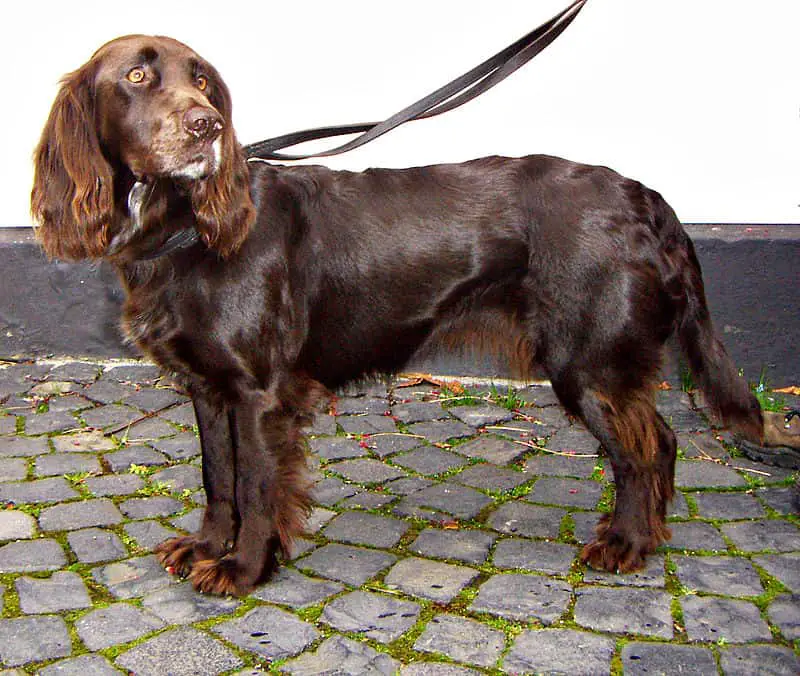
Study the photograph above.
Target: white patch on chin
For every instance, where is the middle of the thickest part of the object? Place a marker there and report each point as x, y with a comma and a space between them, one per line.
193, 170
204, 167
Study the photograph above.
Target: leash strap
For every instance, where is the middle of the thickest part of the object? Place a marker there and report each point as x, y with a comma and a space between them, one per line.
452, 95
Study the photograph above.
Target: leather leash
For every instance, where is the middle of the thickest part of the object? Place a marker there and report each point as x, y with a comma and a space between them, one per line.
452, 95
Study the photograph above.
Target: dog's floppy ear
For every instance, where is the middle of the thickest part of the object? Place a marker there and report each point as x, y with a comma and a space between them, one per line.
72, 198
221, 203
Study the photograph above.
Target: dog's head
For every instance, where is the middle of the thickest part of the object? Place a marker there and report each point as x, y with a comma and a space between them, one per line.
145, 109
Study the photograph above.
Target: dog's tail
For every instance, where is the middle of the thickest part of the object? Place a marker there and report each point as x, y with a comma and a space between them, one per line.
725, 391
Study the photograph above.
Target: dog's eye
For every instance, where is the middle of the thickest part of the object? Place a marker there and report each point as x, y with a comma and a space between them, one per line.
202, 82
136, 75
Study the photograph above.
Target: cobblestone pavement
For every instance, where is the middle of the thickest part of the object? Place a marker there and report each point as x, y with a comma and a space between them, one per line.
445, 542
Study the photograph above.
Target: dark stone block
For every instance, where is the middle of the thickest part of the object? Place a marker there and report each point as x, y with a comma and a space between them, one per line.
269, 632
428, 460
758, 659
566, 492
523, 597
181, 604
639, 659
439, 582
715, 619
726, 575
785, 567
293, 589
94, 545
378, 617
366, 471
546, 651
62, 591
75, 515
181, 652
487, 477
561, 465
519, 518
784, 613
767, 534
365, 529
552, 558
351, 565
479, 416
694, 536
462, 639
469, 546
492, 449
625, 611
33, 639
341, 655
384, 445
31, 556
460, 501
336, 448
366, 424
439, 431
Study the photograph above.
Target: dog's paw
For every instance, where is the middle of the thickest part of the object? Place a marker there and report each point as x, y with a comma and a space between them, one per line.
230, 575
616, 553
223, 576
177, 555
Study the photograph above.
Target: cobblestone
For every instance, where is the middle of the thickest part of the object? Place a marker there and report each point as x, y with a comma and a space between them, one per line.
76, 515
62, 591
94, 545
541, 556
16, 526
718, 575
639, 659
352, 565
341, 655
559, 651
290, 588
760, 659
523, 597
31, 556
180, 652
180, 604
118, 623
462, 639
432, 580
625, 611
34, 639
786, 567
365, 529
469, 546
717, 619
269, 632
485, 585
378, 617
426, 460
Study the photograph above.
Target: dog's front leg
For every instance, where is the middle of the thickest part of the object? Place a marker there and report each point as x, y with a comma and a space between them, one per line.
272, 489
220, 521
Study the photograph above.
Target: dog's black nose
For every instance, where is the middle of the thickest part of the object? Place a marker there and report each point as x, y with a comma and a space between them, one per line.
203, 123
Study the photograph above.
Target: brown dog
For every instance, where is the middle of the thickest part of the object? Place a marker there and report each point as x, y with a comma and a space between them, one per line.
302, 279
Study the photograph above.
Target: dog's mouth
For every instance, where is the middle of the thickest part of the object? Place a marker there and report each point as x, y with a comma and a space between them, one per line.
196, 162
203, 163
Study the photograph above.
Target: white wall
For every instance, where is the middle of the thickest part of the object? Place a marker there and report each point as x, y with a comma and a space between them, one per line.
700, 99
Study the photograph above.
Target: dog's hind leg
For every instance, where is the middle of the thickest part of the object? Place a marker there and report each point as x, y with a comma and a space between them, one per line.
642, 451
